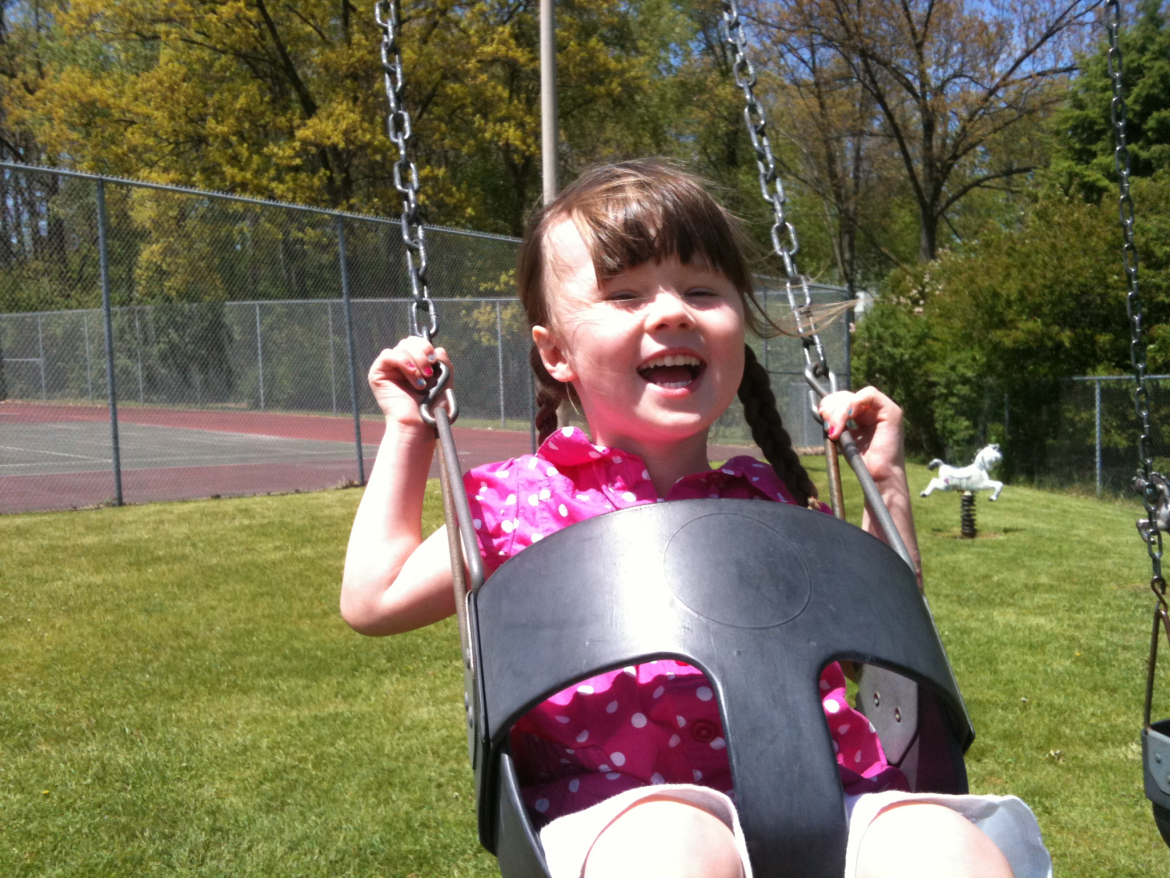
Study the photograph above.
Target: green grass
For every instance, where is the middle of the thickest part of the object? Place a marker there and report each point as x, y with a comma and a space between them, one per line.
178, 695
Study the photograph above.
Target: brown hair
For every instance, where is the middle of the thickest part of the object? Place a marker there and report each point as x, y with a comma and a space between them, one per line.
631, 213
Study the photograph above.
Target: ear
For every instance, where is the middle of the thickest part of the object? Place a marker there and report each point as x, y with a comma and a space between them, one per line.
555, 359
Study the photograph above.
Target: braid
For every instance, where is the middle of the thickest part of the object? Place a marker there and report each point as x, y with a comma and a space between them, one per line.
550, 393
759, 409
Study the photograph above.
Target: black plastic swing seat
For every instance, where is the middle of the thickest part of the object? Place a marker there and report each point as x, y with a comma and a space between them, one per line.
1156, 763
732, 587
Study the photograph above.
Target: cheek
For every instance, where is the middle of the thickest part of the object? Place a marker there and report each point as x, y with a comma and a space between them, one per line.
599, 338
733, 334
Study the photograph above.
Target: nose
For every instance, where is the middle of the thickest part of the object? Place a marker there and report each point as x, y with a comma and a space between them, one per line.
669, 310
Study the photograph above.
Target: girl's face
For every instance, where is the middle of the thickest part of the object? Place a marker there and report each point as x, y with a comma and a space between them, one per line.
655, 354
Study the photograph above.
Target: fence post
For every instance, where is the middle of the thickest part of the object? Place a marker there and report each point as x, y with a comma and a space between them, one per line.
138, 346
88, 363
345, 303
1097, 424
848, 344
41, 354
332, 375
259, 355
104, 256
500, 360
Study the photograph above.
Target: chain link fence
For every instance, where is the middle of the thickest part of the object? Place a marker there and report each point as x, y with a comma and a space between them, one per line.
1093, 442
165, 343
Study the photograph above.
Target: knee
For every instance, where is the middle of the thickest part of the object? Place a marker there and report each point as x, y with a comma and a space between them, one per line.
928, 841
668, 838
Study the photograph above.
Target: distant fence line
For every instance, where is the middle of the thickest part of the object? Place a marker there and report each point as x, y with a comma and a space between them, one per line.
153, 296
1095, 439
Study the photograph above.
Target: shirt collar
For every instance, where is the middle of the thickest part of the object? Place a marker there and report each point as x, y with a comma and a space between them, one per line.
570, 446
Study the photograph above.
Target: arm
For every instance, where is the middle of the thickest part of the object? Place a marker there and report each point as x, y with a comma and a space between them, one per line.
393, 580
879, 438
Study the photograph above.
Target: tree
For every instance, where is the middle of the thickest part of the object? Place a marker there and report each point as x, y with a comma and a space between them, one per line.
286, 100
831, 123
1082, 129
959, 89
1011, 314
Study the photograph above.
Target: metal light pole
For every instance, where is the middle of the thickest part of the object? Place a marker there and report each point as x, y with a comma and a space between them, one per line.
548, 98
548, 123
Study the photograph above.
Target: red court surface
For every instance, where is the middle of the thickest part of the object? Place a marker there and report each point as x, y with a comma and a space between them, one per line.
323, 456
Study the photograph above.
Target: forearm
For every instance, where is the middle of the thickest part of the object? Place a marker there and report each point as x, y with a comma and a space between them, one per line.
388, 526
895, 493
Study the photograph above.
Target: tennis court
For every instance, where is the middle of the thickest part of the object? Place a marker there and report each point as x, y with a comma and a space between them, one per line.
58, 456
55, 456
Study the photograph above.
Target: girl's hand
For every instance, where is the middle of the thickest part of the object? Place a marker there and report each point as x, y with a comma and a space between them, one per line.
399, 377
878, 433
878, 430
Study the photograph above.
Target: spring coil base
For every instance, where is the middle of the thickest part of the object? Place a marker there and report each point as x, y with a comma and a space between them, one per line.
967, 515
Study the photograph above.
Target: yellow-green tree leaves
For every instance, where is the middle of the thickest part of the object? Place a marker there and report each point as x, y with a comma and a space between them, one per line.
285, 100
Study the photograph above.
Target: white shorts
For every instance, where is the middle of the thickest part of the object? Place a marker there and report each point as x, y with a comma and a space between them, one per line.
1006, 820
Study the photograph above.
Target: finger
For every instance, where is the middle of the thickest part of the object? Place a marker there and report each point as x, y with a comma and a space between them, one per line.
871, 405
836, 409
421, 355
403, 365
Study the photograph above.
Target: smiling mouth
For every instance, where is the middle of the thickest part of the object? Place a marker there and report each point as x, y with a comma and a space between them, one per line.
673, 371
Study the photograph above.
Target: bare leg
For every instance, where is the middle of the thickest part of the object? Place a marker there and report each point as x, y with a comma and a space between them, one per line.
664, 838
917, 840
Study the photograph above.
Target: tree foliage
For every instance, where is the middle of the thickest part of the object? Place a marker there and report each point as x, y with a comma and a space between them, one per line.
286, 100
957, 89
1009, 316
1082, 129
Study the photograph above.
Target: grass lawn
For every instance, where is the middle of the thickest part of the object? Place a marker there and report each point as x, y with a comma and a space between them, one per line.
178, 695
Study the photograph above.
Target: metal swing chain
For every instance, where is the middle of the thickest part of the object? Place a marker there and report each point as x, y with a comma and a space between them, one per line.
388, 16
1137, 347
784, 240
424, 322
816, 368
424, 319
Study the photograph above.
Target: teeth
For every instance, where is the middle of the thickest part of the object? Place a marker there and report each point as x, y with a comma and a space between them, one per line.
673, 360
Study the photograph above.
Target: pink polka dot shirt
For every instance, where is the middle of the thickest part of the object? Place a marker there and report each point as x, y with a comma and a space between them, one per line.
652, 723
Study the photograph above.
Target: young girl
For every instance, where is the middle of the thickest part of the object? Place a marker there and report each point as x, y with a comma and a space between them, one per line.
639, 296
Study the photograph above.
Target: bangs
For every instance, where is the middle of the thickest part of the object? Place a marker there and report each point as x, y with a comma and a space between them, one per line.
647, 212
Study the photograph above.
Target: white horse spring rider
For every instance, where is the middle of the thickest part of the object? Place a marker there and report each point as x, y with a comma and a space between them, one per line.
968, 478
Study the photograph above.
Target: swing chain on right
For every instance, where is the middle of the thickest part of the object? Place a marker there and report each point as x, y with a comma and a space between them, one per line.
1133, 299
1137, 348
772, 190
388, 16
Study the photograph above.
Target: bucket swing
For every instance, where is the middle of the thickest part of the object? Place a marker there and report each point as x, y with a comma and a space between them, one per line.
657, 581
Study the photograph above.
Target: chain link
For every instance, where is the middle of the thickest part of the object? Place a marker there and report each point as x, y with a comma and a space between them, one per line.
784, 240
424, 321
771, 187
1133, 299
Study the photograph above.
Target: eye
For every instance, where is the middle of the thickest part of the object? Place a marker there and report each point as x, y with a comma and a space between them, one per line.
621, 296
701, 293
